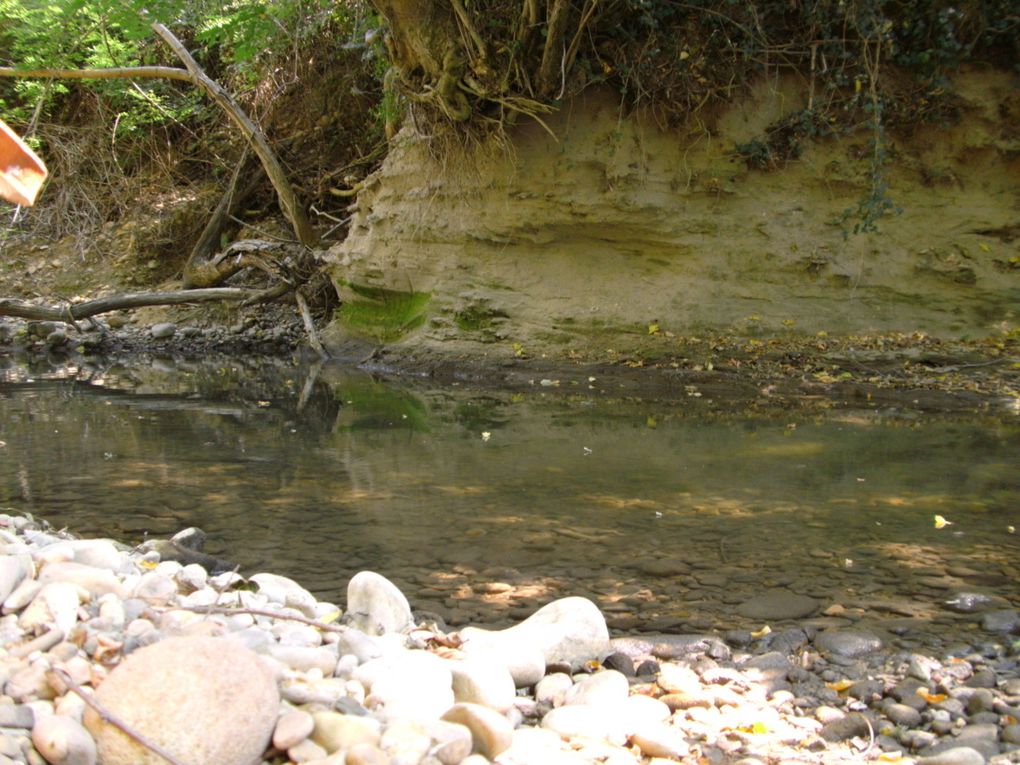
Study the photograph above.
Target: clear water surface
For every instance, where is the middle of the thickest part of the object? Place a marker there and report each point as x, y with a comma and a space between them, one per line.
482, 505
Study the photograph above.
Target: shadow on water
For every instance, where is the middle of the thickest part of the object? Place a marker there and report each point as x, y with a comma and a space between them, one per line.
481, 505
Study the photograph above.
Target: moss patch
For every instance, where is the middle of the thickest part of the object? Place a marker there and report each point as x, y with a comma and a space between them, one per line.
381, 314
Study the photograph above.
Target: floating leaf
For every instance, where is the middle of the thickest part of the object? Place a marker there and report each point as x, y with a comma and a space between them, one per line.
941, 523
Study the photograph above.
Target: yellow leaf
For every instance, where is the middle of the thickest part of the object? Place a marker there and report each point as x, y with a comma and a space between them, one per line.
653, 328
941, 523
766, 630
331, 617
150, 564
931, 698
840, 685
891, 757
984, 247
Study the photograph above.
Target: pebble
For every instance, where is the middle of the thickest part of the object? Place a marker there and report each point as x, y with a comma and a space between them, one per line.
162, 330
848, 643
292, 728
63, 741
491, 732
961, 755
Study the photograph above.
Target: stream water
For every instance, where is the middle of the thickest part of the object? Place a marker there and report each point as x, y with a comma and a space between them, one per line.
483, 504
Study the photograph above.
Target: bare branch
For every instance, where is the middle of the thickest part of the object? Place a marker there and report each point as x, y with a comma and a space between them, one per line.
114, 73
302, 228
72, 313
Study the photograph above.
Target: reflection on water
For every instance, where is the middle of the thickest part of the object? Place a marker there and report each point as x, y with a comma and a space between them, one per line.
482, 505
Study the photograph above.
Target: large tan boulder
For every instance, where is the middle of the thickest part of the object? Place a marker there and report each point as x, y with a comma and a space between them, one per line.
205, 700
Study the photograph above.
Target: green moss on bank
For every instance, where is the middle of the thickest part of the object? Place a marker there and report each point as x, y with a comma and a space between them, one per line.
383, 315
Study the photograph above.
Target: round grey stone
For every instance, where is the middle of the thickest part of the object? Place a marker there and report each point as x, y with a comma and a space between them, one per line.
777, 605
162, 330
848, 643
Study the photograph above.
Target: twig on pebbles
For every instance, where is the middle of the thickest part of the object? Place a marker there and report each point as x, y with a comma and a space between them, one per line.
231, 611
109, 717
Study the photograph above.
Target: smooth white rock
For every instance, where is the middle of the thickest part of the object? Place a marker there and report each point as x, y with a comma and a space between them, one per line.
376, 606
63, 741
292, 728
304, 658
450, 742
635, 710
192, 576
538, 745
674, 678
306, 751
481, 682
601, 721
356, 643
607, 687
413, 684
14, 569
491, 732
552, 689
98, 581
156, 588
101, 553
57, 604
207, 596
286, 592
111, 608
173, 692
524, 662
295, 634
170, 568
405, 740
309, 689
336, 732
57, 552
569, 630
23, 594
657, 739
71, 706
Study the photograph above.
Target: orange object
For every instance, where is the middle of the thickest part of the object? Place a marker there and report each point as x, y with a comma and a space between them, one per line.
21, 172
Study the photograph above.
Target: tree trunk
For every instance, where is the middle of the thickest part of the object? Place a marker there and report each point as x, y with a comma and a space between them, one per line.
426, 49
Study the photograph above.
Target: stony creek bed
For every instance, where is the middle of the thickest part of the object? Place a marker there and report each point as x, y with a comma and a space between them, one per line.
225, 669
443, 597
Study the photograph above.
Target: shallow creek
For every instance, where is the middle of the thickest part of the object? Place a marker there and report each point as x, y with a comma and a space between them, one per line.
482, 504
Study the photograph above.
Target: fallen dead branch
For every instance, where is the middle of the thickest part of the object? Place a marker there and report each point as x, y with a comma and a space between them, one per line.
74, 312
